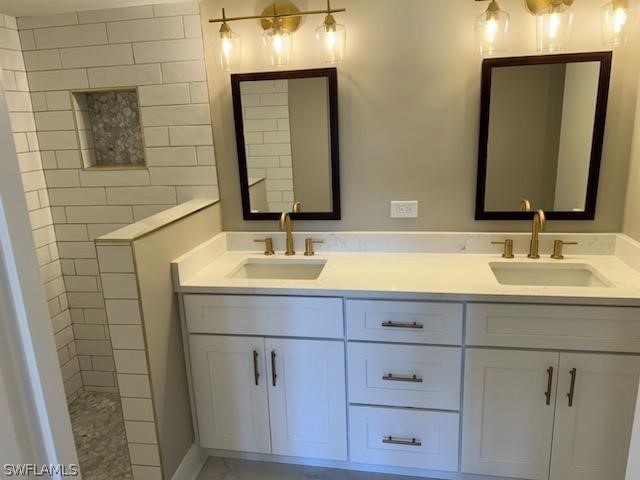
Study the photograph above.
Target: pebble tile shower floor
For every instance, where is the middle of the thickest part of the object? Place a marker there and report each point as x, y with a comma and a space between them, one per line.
98, 430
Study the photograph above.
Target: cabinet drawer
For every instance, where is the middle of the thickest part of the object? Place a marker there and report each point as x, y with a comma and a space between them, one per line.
405, 375
271, 316
404, 438
615, 329
405, 322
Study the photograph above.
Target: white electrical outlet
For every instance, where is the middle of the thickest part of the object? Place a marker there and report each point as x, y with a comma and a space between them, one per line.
404, 209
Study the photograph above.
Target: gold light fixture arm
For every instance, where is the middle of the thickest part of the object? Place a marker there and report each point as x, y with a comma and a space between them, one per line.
538, 6
620, 4
225, 31
276, 15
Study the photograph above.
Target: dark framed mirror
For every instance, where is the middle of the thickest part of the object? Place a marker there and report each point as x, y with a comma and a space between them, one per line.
542, 123
287, 140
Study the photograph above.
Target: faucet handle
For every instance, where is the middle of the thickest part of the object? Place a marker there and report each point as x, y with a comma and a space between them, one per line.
508, 248
557, 249
308, 246
268, 245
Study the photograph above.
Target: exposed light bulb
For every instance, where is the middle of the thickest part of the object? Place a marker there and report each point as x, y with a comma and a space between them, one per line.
330, 41
616, 18
278, 44
553, 25
226, 47
619, 20
491, 29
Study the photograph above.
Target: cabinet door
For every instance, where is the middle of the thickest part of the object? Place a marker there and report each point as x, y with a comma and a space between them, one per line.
231, 402
307, 401
508, 421
591, 437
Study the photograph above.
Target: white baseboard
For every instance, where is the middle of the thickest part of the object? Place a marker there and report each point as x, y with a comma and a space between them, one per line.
191, 464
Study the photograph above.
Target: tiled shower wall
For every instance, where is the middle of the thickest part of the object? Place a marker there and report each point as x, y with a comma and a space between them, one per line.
268, 139
25, 138
158, 50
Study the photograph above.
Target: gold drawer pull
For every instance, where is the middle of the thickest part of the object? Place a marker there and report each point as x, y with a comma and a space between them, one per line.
403, 324
390, 377
402, 441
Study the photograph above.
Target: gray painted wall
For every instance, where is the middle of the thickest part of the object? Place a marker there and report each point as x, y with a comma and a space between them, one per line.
409, 111
632, 208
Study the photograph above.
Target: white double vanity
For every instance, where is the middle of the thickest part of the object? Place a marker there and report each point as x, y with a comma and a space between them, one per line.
414, 358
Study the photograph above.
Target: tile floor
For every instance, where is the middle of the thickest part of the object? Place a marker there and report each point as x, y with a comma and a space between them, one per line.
98, 430
227, 469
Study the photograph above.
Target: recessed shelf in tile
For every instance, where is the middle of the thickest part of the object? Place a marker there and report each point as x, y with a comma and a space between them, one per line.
108, 125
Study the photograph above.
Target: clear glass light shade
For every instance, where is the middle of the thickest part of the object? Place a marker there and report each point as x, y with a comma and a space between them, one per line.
278, 45
553, 28
332, 41
616, 22
492, 28
229, 50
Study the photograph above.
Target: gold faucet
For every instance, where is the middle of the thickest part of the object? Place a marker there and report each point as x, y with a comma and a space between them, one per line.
525, 205
539, 224
285, 226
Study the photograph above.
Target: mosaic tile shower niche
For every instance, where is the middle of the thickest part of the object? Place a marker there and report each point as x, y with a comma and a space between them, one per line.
109, 129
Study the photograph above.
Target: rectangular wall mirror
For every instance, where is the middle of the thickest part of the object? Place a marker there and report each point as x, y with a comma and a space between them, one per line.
541, 131
287, 139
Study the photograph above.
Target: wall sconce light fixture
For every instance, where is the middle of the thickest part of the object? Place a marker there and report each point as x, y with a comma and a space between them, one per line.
279, 22
553, 26
492, 28
229, 48
332, 38
554, 19
616, 18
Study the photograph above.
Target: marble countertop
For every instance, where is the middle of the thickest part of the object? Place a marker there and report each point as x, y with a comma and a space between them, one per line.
407, 275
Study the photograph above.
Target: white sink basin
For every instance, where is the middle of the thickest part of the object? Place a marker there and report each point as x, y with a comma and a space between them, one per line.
278, 269
548, 274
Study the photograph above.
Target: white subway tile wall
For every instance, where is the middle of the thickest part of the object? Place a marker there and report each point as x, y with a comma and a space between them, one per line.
117, 271
157, 49
24, 123
265, 110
